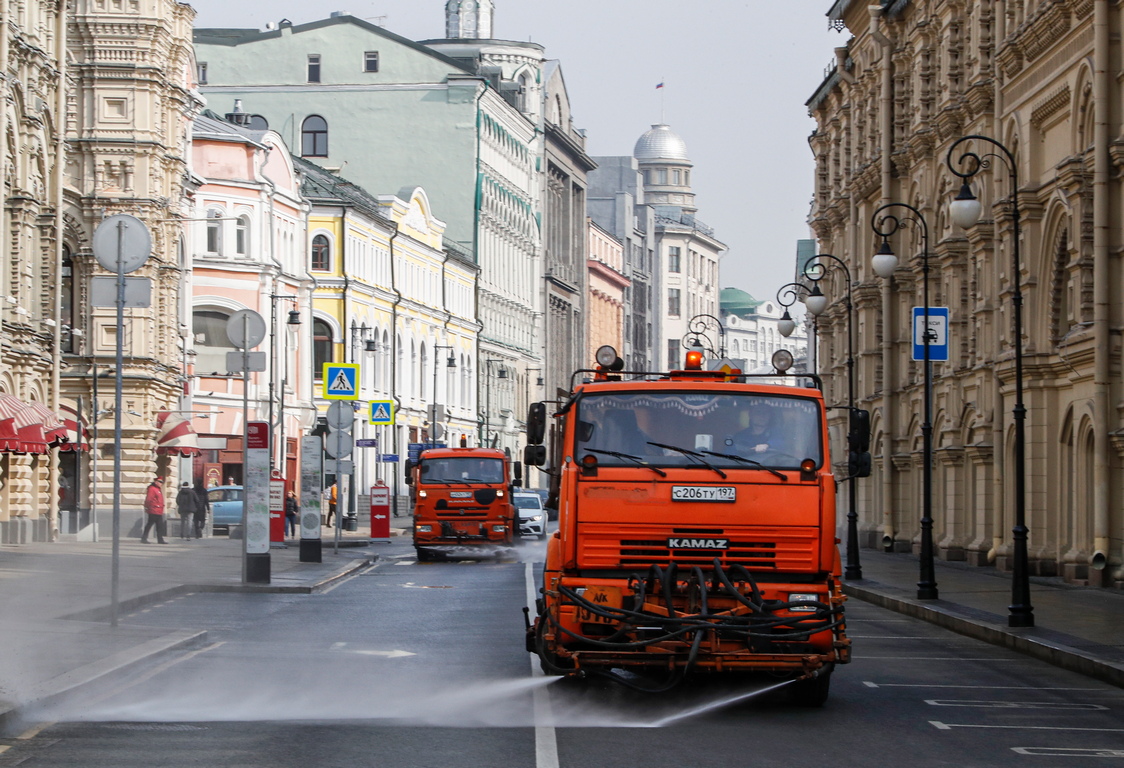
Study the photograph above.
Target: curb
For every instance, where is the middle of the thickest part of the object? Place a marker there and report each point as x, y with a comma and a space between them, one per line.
1055, 648
103, 613
49, 691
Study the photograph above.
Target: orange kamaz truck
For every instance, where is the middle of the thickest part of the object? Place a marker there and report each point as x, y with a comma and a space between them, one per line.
462, 502
696, 530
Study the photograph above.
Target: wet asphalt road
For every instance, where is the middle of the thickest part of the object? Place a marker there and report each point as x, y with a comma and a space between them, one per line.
422, 664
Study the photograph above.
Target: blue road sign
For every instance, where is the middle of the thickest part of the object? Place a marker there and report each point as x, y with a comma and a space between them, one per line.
341, 381
938, 333
380, 412
389, 458
367, 442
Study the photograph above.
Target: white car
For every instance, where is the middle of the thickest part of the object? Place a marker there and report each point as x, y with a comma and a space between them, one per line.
532, 516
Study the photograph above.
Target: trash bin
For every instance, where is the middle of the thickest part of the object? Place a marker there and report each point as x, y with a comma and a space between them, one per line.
351, 523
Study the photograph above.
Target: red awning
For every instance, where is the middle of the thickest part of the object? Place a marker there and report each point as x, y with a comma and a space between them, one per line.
77, 434
28, 426
177, 438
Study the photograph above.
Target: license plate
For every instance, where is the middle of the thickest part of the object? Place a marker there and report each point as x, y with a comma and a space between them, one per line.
703, 493
460, 494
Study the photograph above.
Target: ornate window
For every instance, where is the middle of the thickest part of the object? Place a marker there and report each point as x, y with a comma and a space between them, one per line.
322, 348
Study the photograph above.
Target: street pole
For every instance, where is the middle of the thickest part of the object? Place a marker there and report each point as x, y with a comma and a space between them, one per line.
927, 585
815, 270
965, 211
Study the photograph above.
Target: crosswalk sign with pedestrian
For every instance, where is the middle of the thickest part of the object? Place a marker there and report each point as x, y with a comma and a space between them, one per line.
341, 381
381, 412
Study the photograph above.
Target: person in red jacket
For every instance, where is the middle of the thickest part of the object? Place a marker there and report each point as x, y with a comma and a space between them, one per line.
154, 511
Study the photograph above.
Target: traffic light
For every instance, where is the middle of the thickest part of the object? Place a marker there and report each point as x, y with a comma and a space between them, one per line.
858, 444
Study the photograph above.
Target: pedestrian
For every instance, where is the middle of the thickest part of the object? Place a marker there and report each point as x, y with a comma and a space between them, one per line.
154, 510
292, 511
332, 498
186, 503
202, 508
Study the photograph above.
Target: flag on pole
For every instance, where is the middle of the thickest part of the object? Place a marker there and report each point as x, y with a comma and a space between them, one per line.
659, 85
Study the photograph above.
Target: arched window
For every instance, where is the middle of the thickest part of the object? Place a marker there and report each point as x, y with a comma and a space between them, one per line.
242, 236
321, 348
211, 342
314, 137
321, 253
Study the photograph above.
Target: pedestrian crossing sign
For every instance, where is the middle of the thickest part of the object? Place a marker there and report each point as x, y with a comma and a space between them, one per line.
382, 412
341, 381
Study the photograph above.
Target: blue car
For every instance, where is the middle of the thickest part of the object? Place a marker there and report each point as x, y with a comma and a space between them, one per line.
226, 506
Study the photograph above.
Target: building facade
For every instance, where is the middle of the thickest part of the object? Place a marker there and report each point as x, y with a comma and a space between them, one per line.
397, 114
1034, 76
98, 99
247, 241
607, 286
686, 250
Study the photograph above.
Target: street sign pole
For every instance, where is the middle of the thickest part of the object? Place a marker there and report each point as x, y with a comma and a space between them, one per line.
121, 244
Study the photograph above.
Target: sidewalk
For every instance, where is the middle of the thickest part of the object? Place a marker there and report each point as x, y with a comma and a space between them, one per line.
55, 605
55, 601
1077, 628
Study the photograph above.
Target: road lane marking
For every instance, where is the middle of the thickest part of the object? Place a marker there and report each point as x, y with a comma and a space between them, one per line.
1068, 751
871, 684
1012, 704
991, 659
949, 726
546, 740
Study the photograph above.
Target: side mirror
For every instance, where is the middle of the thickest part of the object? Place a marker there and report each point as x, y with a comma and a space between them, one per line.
858, 464
517, 473
534, 455
536, 423
408, 467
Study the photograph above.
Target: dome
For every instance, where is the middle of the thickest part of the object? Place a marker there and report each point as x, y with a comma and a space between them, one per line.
660, 144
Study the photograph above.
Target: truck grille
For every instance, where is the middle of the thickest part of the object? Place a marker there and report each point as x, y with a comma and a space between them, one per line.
771, 549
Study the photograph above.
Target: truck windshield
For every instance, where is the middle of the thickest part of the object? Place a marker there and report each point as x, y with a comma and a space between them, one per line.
776, 431
461, 470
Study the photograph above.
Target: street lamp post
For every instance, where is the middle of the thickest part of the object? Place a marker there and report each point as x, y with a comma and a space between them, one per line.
450, 365
698, 327
291, 324
884, 263
501, 373
965, 211
816, 302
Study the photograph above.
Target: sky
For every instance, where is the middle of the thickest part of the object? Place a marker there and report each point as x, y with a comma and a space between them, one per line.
736, 75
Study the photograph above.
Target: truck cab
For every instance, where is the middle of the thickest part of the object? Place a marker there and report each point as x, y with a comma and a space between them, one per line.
696, 532
462, 502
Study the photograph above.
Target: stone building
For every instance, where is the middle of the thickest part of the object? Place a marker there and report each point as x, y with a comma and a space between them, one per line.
97, 102
1036, 77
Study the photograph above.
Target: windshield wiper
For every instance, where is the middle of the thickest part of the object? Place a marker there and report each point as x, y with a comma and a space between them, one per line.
744, 460
630, 457
691, 455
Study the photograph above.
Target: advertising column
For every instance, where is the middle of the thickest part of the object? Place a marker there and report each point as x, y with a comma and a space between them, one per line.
256, 504
312, 489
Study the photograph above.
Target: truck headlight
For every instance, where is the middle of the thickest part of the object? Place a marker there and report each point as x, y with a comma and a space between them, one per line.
499, 528
425, 529
797, 597
422, 494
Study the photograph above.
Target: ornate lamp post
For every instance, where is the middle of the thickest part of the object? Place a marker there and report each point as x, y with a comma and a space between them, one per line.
697, 329
816, 302
291, 326
965, 211
884, 263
